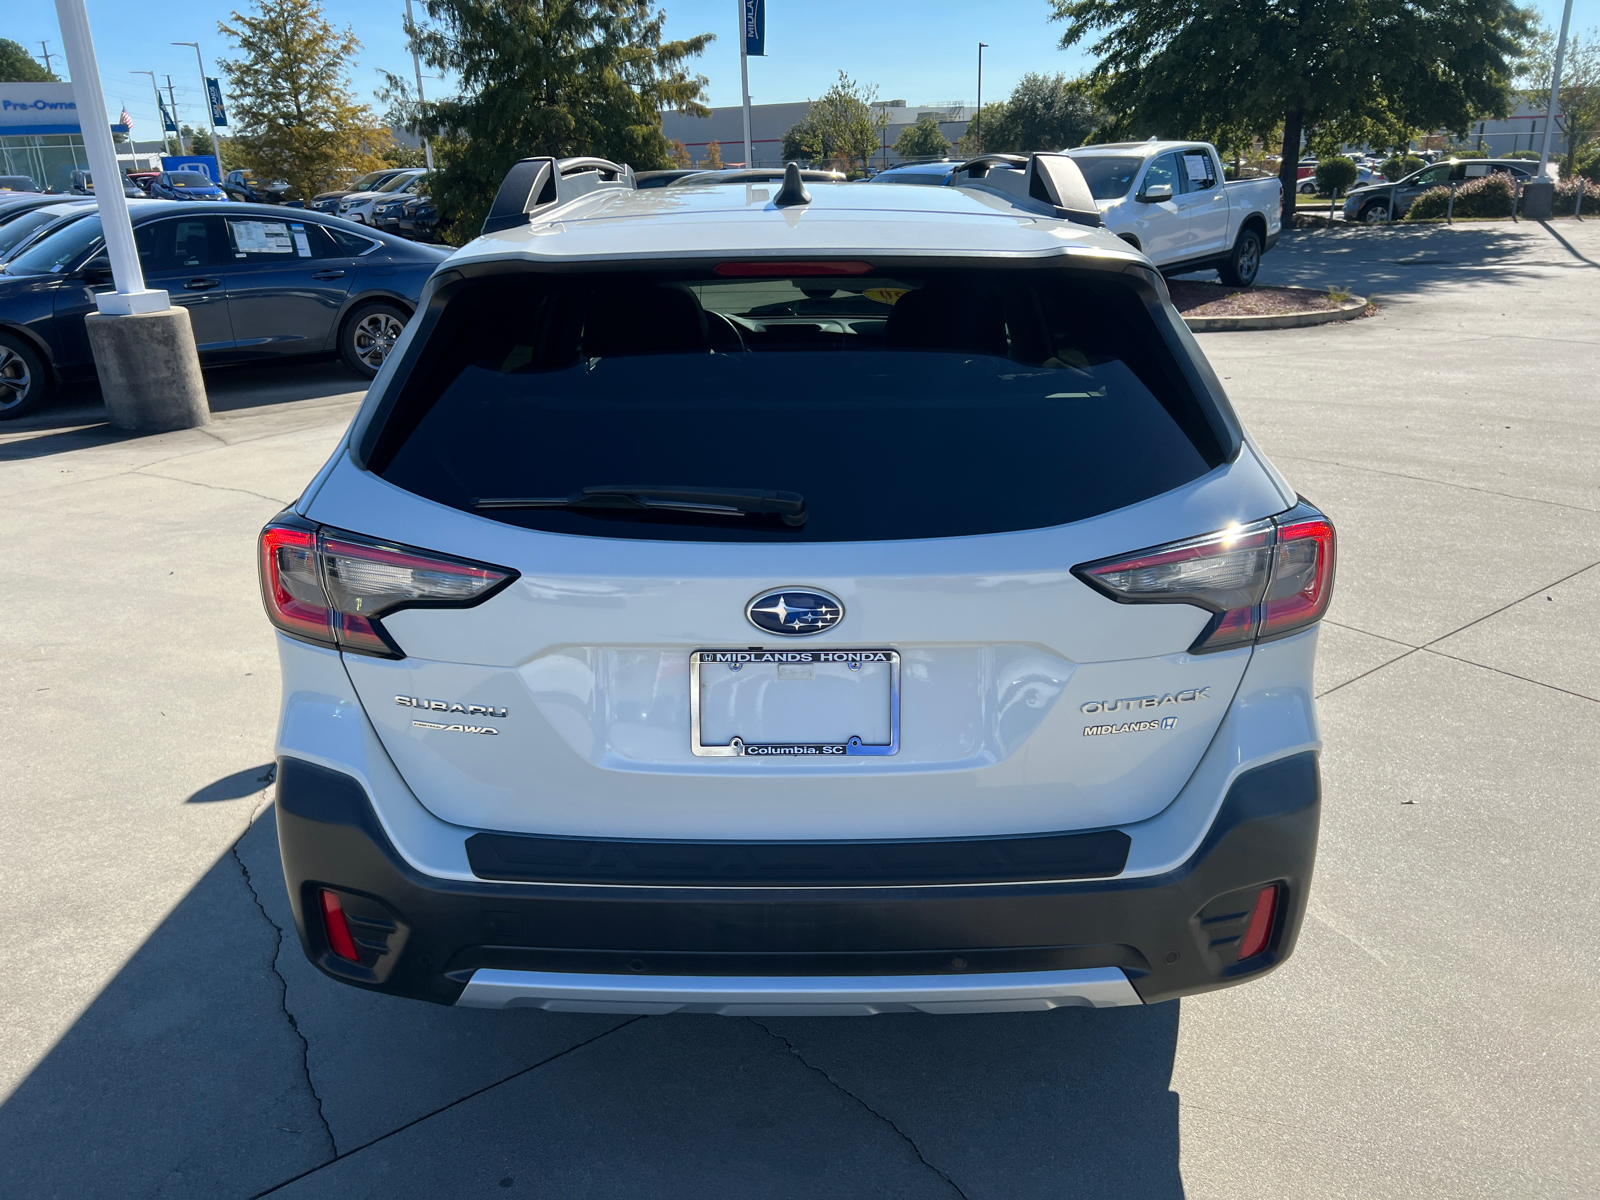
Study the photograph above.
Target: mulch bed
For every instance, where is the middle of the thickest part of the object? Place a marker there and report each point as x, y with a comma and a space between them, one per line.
1217, 300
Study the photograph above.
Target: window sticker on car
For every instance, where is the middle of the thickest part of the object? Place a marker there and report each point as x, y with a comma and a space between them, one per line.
1198, 166
262, 237
301, 245
1476, 169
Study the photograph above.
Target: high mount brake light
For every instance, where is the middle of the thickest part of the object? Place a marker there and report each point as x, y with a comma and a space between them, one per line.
767, 270
1264, 580
328, 587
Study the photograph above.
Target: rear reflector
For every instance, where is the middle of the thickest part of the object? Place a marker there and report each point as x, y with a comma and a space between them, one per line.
339, 939
1259, 932
769, 269
330, 588
1262, 580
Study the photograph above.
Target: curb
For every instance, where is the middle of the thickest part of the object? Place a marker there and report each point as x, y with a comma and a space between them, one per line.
1350, 308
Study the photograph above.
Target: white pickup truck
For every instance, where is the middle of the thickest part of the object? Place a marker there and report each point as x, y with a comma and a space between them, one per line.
1169, 200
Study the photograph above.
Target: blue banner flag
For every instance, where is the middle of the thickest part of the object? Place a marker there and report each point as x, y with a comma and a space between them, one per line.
755, 28
170, 125
219, 115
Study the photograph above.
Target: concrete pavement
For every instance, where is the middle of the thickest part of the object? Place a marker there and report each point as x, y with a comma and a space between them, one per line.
1434, 1035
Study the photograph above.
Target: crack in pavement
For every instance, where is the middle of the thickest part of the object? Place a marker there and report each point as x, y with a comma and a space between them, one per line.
215, 487
1467, 487
428, 1116
889, 1121
1427, 647
283, 1001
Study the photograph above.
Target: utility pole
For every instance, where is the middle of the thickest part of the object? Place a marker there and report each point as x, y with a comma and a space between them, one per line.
205, 90
1555, 89
47, 56
977, 115
177, 134
160, 125
416, 65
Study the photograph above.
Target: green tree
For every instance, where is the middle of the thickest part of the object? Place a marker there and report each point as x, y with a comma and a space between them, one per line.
556, 77
1043, 112
976, 140
295, 115
841, 127
922, 140
18, 66
1578, 110
1353, 71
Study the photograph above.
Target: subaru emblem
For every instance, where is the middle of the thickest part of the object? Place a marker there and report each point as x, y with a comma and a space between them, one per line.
795, 612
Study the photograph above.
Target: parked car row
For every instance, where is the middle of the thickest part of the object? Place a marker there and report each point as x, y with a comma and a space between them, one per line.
259, 283
1383, 201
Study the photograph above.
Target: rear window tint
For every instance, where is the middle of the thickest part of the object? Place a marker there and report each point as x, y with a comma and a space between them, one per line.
917, 405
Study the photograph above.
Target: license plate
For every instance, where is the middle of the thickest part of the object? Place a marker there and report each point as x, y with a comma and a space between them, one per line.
794, 703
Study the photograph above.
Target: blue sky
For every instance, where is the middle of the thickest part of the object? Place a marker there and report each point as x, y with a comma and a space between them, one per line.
924, 53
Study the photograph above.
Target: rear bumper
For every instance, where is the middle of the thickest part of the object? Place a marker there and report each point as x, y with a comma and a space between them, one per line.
931, 947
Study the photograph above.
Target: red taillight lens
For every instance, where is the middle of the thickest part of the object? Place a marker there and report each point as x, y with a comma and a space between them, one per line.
1259, 932
1262, 580
339, 939
1302, 576
330, 588
290, 584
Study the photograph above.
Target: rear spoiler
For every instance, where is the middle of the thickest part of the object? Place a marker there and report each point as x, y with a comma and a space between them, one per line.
533, 183
1053, 179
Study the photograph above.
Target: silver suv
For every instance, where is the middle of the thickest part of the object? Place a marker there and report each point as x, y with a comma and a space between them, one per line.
796, 598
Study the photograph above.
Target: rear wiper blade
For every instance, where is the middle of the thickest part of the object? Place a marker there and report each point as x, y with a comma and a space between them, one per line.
705, 501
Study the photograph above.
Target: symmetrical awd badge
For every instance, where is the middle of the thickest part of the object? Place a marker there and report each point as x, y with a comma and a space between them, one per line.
795, 612
449, 706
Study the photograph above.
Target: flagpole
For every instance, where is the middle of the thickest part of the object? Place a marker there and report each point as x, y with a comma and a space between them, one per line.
744, 77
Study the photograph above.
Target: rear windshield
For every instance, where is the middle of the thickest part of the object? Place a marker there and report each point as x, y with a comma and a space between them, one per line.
907, 405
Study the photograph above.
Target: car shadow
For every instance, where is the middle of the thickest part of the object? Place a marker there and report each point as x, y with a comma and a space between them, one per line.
1401, 262
236, 786
77, 412
217, 1062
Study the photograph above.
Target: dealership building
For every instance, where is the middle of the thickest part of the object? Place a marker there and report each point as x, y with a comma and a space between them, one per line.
769, 122
40, 136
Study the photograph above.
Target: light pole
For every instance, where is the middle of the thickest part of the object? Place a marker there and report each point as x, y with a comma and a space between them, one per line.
1555, 89
161, 126
977, 115
744, 73
205, 90
416, 65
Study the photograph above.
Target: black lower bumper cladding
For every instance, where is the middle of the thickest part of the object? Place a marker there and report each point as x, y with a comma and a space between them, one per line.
867, 908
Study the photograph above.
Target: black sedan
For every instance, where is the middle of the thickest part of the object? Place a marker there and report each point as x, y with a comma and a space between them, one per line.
260, 283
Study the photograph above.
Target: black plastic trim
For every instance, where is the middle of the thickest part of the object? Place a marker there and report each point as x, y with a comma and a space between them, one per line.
1097, 855
1152, 927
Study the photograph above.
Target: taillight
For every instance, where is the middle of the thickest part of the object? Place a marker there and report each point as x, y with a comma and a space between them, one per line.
1263, 580
328, 587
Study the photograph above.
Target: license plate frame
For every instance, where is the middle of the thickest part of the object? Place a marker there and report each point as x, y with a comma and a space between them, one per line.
852, 747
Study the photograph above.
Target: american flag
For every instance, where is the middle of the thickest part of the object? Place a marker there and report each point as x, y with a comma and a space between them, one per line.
125, 119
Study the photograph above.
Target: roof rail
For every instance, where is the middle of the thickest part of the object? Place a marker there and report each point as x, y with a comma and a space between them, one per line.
533, 183
1053, 180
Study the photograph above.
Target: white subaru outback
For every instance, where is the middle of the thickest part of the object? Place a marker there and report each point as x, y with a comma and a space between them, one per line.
738, 599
